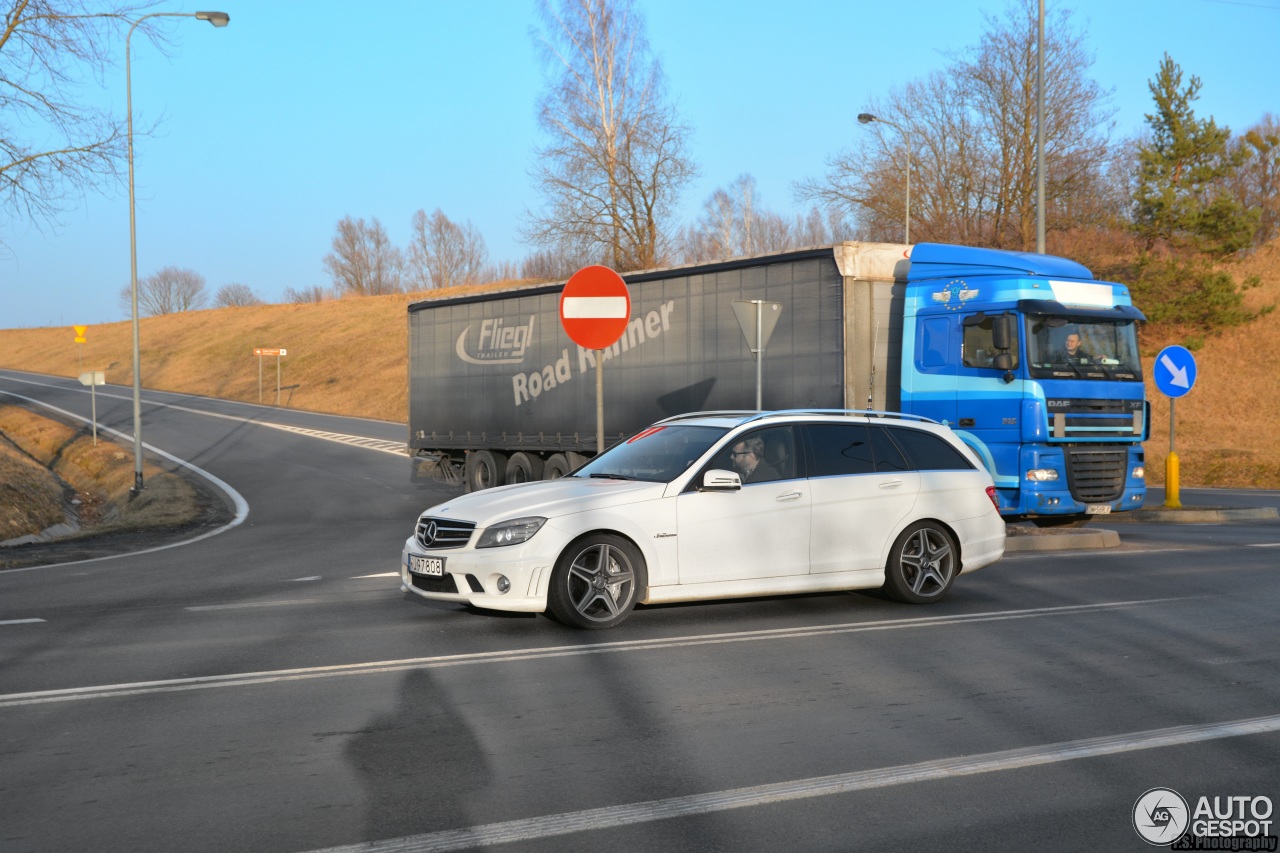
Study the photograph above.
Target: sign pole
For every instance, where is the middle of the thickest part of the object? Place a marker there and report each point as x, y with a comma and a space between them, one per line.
759, 356
93, 411
1172, 488
259, 378
277, 379
599, 401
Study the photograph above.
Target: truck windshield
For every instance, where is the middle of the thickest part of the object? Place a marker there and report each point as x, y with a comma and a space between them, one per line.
658, 454
1077, 348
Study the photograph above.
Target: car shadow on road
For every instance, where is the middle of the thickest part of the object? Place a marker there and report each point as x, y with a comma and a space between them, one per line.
420, 764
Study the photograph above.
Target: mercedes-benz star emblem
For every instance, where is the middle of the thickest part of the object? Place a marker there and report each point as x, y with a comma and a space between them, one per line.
429, 534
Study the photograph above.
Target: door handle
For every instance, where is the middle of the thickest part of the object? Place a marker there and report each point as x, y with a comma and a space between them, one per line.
789, 496
890, 484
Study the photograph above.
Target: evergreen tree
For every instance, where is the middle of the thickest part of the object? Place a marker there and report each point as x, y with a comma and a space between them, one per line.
1181, 196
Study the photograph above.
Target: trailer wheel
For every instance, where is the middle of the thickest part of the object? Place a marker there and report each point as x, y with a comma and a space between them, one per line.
556, 466
484, 469
523, 467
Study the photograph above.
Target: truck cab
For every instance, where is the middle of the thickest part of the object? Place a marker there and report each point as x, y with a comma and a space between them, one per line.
1035, 364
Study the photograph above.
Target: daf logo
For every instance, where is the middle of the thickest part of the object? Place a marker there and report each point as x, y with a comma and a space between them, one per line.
429, 533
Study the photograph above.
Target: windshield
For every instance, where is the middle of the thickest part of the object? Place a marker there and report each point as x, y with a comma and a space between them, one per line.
1065, 348
658, 454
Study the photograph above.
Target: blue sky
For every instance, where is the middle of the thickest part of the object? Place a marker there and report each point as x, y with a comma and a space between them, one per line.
299, 113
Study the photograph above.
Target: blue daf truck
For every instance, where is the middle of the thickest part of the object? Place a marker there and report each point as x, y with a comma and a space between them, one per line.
1032, 361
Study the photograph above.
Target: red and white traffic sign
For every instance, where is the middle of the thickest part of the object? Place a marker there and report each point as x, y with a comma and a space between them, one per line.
595, 307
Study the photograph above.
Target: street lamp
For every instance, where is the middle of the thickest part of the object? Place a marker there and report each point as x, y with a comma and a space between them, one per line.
867, 118
218, 19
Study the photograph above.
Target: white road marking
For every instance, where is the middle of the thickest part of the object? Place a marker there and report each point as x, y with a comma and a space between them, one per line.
248, 604
381, 575
567, 823
241, 505
1264, 545
20, 621
397, 448
247, 678
300, 580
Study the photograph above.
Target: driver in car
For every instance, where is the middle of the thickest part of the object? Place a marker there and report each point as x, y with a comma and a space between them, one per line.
748, 460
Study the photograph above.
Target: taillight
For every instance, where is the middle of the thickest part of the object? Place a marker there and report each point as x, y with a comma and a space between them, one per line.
991, 493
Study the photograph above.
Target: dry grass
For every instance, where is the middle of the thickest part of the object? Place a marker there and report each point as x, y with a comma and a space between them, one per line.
101, 476
30, 496
350, 357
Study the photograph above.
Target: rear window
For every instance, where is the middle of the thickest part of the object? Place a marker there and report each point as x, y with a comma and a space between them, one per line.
927, 452
840, 449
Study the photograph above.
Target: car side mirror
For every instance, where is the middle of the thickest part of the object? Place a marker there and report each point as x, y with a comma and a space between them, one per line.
1002, 361
717, 480
1004, 332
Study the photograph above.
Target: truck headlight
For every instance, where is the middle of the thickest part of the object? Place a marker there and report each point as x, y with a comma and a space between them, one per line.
511, 532
1139, 472
1042, 475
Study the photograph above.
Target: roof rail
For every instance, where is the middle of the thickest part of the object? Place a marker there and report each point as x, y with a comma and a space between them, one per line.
722, 413
866, 413
751, 415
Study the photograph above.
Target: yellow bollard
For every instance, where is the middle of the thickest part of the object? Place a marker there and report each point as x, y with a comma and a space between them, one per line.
1171, 497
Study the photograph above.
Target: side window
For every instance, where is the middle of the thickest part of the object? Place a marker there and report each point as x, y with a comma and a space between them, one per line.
934, 334
840, 449
979, 348
888, 457
761, 456
928, 452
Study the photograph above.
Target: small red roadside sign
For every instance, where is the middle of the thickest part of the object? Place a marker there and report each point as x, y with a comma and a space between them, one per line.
595, 307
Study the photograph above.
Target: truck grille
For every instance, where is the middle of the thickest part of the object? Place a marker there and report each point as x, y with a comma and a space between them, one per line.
437, 533
1100, 420
1096, 476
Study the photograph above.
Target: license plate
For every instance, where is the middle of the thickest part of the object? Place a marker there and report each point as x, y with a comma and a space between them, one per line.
1097, 509
433, 566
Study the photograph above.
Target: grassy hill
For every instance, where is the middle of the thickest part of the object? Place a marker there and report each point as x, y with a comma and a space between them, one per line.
350, 357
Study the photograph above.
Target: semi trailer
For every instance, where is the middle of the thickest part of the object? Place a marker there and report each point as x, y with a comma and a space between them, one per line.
1027, 357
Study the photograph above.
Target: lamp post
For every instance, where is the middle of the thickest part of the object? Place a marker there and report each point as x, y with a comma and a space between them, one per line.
218, 19
867, 118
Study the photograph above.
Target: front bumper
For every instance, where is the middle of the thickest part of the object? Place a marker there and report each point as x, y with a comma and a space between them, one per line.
471, 575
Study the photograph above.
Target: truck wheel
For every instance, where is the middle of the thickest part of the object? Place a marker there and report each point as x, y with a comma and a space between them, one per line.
596, 582
484, 469
922, 565
557, 465
523, 467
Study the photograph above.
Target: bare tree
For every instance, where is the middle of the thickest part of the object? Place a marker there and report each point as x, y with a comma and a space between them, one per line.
616, 160
734, 223
363, 261
53, 144
169, 291
307, 295
235, 296
972, 135
443, 253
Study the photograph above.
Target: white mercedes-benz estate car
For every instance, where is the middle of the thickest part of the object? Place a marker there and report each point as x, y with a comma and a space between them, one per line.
720, 505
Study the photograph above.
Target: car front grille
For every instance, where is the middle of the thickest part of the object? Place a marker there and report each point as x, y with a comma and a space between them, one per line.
1096, 476
446, 583
437, 533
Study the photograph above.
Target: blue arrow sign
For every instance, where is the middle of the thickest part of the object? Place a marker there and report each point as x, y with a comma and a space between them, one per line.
1175, 371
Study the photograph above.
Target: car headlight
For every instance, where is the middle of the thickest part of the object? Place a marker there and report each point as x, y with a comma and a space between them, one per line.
1139, 472
1042, 475
511, 532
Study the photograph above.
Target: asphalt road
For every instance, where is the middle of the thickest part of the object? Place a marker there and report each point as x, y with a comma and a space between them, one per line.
269, 688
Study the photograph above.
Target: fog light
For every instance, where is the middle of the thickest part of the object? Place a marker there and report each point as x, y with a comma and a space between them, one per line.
1139, 472
504, 585
1042, 475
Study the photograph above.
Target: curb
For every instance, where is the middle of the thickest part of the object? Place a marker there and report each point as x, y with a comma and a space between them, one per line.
1199, 515
1061, 540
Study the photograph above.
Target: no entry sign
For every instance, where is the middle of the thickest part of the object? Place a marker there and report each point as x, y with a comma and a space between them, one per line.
595, 307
